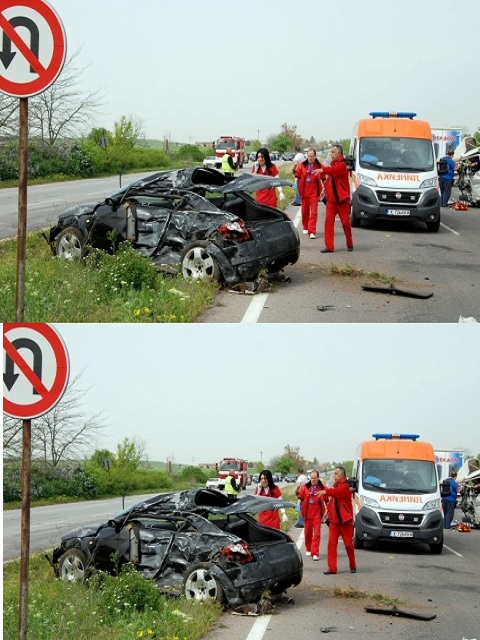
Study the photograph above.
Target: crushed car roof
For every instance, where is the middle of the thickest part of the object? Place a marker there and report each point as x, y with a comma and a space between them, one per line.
201, 500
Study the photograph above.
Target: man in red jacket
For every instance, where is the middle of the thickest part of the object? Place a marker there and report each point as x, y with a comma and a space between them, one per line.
337, 187
340, 515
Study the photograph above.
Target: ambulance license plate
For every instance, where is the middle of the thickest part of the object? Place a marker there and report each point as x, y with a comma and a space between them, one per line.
398, 212
401, 534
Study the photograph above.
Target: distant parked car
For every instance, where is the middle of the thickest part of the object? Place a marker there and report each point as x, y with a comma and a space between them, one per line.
291, 477
212, 483
195, 542
252, 156
288, 156
209, 162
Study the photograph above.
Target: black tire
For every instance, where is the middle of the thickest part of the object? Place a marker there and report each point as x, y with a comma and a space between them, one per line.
69, 244
433, 227
354, 220
197, 263
357, 542
73, 566
201, 585
437, 547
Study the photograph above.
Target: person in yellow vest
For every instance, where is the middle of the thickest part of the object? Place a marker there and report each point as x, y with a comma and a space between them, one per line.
232, 488
228, 165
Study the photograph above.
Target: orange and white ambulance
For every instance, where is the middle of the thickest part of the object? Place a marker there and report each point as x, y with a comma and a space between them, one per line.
394, 170
398, 491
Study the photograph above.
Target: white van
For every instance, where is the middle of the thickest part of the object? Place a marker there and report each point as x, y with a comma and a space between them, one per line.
394, 170
398, 492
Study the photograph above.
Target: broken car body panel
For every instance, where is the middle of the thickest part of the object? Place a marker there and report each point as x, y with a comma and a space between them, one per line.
170, 214
169, 536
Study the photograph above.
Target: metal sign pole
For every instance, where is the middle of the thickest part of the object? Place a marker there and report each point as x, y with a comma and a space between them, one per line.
25, 529
22, 210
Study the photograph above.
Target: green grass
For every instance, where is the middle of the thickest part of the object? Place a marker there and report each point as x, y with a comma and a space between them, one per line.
126, 607
103, 288
359, 594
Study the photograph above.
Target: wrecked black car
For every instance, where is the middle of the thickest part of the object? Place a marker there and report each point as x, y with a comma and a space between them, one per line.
191, 221
194, 542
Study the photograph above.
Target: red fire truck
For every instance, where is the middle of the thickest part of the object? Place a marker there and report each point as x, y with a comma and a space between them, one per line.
236, 464
237, 145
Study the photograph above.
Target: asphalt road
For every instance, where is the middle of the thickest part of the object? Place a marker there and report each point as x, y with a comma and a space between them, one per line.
444, 264
445, 585
46, 201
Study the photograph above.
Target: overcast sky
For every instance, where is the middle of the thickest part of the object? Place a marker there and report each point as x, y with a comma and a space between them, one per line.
195, 70
197, 393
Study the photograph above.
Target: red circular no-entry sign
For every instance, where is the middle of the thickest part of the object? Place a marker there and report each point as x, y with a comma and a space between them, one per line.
34, 47
35, 369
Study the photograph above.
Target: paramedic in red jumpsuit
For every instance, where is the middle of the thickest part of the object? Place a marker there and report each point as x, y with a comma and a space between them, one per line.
337, 192
313, 508
340, 515
310, 187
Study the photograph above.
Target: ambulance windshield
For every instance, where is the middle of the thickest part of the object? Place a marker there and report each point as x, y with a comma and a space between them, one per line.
396, 154
399, 476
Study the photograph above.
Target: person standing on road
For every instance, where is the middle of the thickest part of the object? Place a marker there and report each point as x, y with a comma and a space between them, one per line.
297, 159
269, 489
337, 193
301, 480
312, 506
264, 166
446, 181
232, 488
449, 502
229, 166
310, 186
340, 516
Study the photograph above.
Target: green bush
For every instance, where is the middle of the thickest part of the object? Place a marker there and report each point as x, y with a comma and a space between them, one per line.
189, 152
193, 475
129, 591
126, 269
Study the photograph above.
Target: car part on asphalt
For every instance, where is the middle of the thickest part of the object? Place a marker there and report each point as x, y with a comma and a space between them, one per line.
324, 307
392, 289
395, 611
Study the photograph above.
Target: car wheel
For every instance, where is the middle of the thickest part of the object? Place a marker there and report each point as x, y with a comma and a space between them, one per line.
436, 548
433, 227
201, 585
354, 220
72, 566
69, 243
197, 263
357, 541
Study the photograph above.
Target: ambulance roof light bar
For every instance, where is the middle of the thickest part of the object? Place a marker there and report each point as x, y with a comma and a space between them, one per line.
393, 114
395, 436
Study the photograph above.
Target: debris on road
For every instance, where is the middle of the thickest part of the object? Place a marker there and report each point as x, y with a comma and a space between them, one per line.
324, 307
395, 611
391, 288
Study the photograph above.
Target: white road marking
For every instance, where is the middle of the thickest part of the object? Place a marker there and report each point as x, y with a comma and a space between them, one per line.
453, 551
257, 304
259, 628
448, 229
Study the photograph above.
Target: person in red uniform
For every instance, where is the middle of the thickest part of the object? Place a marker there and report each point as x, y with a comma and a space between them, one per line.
337, 193
340, 515
269, 489
264, 166
313, 508
310, 187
